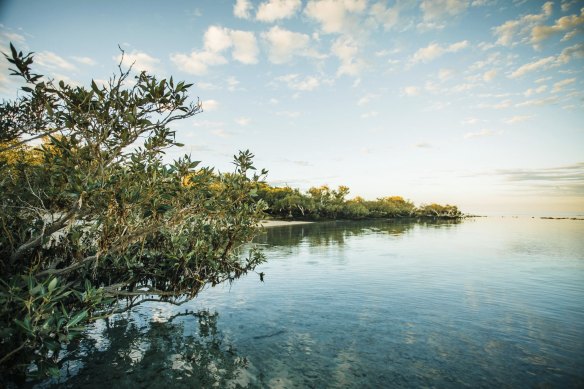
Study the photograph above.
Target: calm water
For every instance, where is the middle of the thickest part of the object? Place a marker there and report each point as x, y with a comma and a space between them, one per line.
495, 302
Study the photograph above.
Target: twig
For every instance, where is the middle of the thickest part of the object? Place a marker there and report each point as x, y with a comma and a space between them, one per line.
37, 241
68, 269
10, 354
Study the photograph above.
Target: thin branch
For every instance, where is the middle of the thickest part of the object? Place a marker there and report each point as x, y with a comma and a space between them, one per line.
149, 292
37, 241
68, 269
135, 304
10, 354
21, 142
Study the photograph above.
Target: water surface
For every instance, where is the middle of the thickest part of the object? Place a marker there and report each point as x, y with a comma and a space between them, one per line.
488, 302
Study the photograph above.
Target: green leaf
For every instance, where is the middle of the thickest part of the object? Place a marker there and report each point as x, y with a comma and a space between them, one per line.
37, 289
77, 318
52, 284
53, 371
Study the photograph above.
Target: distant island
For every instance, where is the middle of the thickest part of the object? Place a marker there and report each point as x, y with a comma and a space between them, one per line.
561, 218
325, 203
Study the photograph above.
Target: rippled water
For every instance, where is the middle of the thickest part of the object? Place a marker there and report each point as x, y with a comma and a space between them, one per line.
490, 302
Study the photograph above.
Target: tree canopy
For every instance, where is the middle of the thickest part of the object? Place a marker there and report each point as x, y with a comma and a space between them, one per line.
94, 221
325, 203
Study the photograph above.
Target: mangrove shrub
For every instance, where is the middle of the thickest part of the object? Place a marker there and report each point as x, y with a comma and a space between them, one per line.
93, 220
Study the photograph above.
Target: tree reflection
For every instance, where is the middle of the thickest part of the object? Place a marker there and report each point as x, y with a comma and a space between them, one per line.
154, 354
335, 233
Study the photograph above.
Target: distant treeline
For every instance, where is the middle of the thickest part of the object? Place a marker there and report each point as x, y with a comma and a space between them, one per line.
325, 203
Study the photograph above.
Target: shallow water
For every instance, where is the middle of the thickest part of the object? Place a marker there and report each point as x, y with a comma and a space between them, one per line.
488, 302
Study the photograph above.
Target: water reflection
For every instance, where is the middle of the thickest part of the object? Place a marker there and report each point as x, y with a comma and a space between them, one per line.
185, 348
482, 303
336, 233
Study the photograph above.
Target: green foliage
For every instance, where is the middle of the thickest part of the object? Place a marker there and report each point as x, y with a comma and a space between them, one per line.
324, 203
286, 202
393, 206
437, 210
93, 222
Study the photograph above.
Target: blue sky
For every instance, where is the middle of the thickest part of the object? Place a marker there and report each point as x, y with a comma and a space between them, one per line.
477, 103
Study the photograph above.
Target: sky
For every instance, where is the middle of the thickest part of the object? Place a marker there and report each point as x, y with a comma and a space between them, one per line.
474, 103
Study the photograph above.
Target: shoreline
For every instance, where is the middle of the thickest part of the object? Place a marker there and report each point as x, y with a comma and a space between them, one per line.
281, 223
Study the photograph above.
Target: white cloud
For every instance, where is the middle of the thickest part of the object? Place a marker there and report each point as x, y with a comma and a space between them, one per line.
432, 86
543, 79
566, 5
334, 15
243, 121
232, 83
197, 62
445, 74
366, 99
434, 50
346, 50
51, 60
482, 3
242, 8
14, 37
575, 51
492, 59
66, 79
85, 60
296, 82
283, 45
563, 24
538, 102
500, 105
207, 86
273, 10
428, 53
370, 114
470, 121
245, 48
210, 105
489, 75
508, 32
533, 91
517, 119
220, 132
567, 54
216, 41
411, 91
532, 66
463, 87
435, 10
438, 106
387, 17
453, 48
560, 85
140, 61
479, 134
